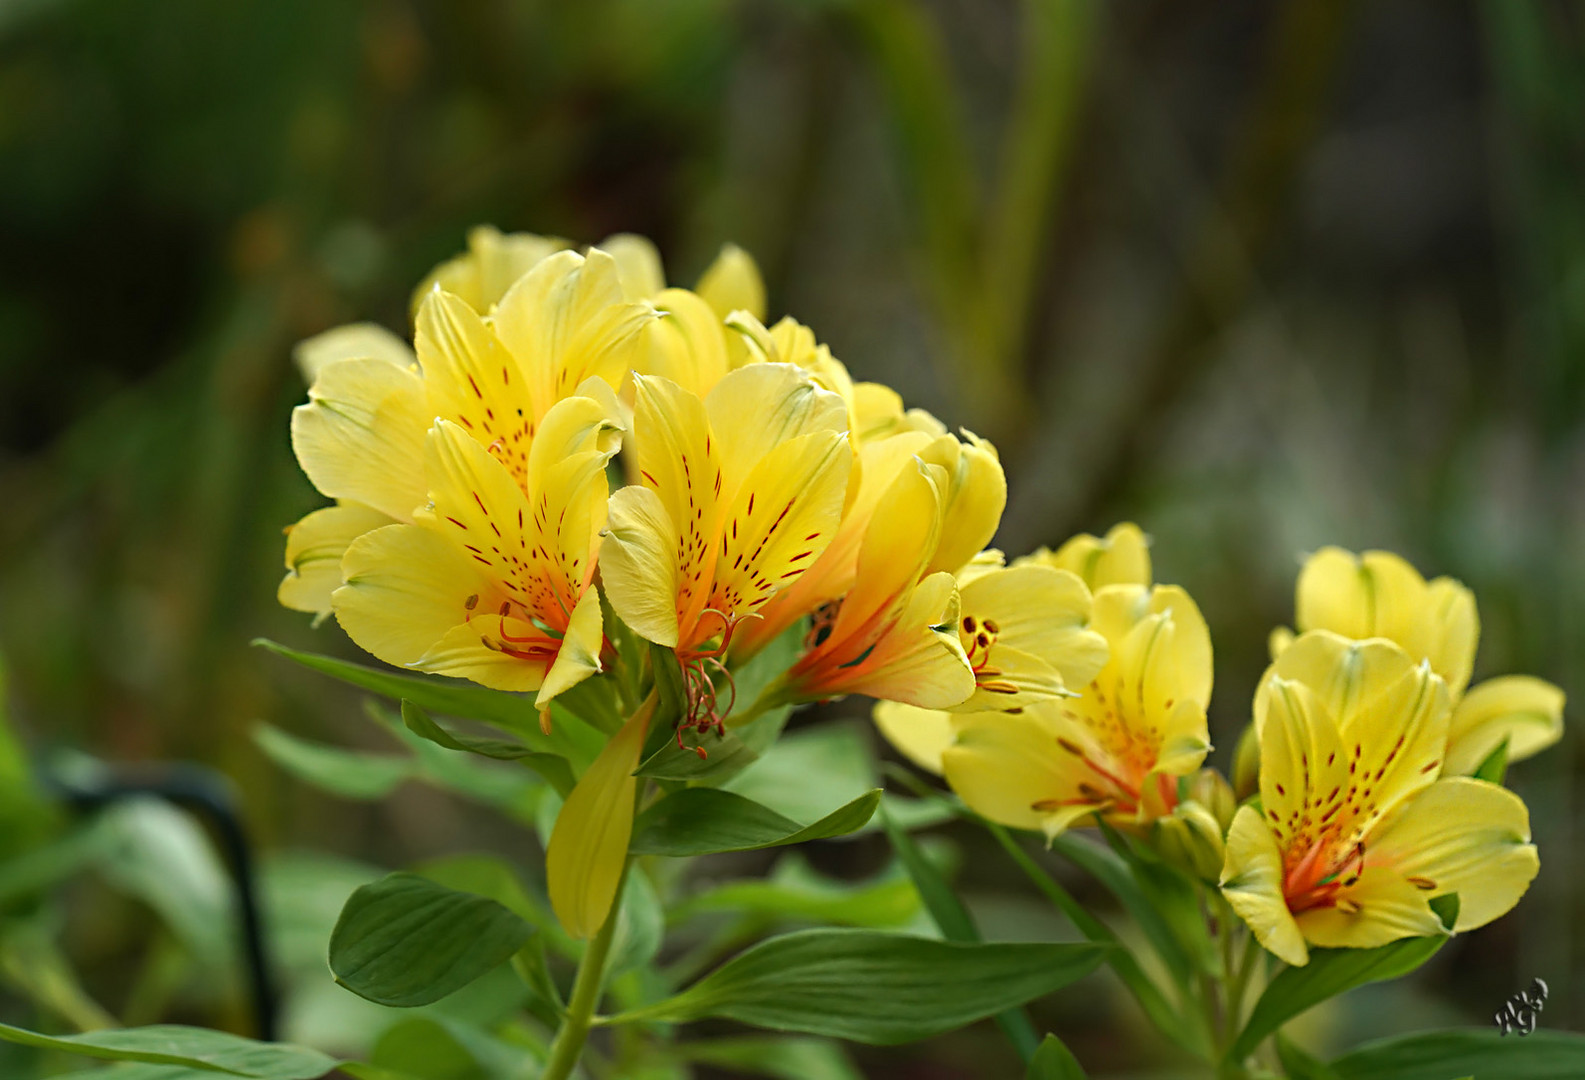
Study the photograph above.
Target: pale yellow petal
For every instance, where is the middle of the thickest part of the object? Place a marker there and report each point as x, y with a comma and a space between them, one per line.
361, 435
1121, 558
406, 587
892, 555
314, 547
1378, 909
1446, 631
1278, 641
1304, 768
1462, 836
1340, 670
579, 655
472, 651
973, 500
1042, 645
1377, 594
638, 265
755, 408
733, 283
355, 341
920, 735
1526, 711
1007, 767
688, 343
638, 564
1252, 884
493, 261
918, 660
588, 846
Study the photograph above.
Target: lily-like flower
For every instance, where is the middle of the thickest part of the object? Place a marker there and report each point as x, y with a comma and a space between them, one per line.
471, 483
1117, 748
1378, 594
1358, 826
741, 493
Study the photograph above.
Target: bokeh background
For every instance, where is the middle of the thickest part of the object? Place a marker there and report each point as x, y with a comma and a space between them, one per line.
1259, 276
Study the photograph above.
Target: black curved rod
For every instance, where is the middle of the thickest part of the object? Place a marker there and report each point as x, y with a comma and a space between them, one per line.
210, 795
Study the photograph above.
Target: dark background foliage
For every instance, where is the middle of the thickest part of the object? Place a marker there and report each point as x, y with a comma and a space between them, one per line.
1258, 276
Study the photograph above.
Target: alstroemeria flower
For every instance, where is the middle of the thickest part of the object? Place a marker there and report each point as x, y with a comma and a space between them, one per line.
1118, 747
740, 494
407, 445
1378, 594
492, 264
1357, 828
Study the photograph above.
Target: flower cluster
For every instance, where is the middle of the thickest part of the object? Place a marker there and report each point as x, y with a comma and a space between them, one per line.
570, 443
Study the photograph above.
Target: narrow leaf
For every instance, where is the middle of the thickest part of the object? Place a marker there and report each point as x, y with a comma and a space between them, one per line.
569, 737
352, 774
1495, 766
702, 821
873, 987
725, 756
780, 1058
1299, 1064
1053, 1061
796, 892
588, 847
1481, 1052
553, 768
1110, 870
405, 940
195, 1048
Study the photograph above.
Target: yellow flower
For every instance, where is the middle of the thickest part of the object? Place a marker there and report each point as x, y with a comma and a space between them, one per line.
1357, 828
1121, 558
491, 265
472, 484
1115, 749
740, 494
1378, 594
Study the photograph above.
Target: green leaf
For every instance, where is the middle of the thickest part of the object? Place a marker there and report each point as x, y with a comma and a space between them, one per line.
1495, 766
1299, 1064
778, 1058
1172, 896
873, 987
429, 1047
725, 757
569, 737
195, 1048
352, 774
1482, 1052
668, 683
1110, 870
640, 925
955, 924
1329, 973
1053, 1061
809, 773
796, 892
553, 768
404, 940
703, 821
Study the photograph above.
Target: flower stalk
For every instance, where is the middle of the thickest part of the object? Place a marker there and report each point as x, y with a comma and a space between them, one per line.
586, 987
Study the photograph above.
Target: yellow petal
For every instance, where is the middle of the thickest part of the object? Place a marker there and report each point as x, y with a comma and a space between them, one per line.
588, 847
688, 343
354, 341
494, 261
465, 652
638, 265
638, 564
920, 735
579, 655
1526, 711
757, 407
314, 547
1462, 836
780, 522
1341, 670
472, 381
1006, 767
1377, 594
1122, 558
1278, 641
406, 587
1446, 631
918, 660
973, 500
1252, 884
1304, 768
566, 320
1042, 645
361, 435
878, 413
1380, 908
733, 283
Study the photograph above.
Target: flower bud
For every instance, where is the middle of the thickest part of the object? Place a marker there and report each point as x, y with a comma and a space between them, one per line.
1246, 765
1191, 839
1211, 790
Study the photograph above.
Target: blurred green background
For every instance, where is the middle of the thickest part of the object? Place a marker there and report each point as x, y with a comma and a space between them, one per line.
1260, 276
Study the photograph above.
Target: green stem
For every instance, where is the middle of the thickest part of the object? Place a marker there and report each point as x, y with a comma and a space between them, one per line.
586, 986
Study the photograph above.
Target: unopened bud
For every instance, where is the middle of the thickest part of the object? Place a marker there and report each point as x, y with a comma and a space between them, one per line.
1191, 839
1246, 765
544, 720
1211, 790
